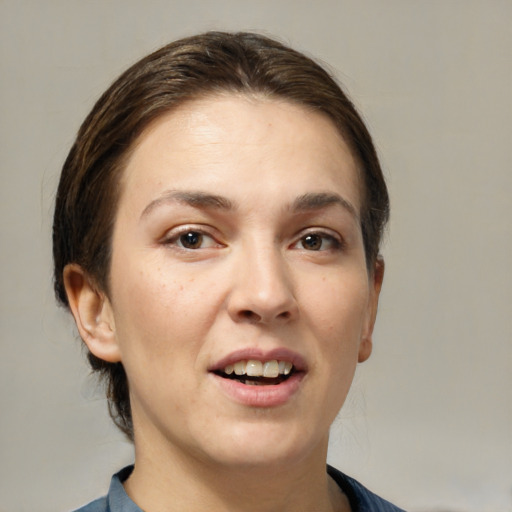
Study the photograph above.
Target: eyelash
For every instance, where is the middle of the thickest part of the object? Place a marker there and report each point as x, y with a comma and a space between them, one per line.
334, 242
175, 239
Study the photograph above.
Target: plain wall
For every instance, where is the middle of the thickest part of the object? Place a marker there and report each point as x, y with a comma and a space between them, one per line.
429, 421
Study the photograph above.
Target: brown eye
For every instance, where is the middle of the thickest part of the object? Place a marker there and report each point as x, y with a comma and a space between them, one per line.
191, 240
186, 239
312, 242
318, 241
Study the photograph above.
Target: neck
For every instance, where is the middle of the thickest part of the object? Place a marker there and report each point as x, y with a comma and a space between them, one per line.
173, 481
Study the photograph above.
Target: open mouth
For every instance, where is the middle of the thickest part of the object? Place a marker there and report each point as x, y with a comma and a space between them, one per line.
258, 373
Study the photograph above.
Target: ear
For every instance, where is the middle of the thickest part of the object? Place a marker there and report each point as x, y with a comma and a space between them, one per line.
376, 278
93, 314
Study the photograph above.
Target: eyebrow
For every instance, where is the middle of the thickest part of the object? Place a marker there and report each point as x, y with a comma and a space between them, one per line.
319, 200
307, 202
193, 198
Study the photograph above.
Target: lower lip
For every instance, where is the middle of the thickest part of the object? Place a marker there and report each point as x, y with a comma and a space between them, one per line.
260, 396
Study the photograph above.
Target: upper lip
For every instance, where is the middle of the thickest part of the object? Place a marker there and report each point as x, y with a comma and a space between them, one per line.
278, 354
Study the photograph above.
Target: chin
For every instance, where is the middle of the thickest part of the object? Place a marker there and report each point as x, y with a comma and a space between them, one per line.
263, 444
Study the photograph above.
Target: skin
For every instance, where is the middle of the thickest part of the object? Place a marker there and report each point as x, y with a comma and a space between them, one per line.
253, 281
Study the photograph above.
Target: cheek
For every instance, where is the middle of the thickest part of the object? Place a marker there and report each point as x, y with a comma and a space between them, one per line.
337, 304
160, 328
157, 308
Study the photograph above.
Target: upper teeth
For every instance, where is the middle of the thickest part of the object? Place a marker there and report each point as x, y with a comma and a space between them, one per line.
254, 368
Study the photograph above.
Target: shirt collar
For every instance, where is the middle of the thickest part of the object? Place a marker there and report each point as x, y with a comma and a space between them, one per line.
118, 500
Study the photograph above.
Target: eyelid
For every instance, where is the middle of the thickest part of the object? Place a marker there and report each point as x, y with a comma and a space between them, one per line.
325, 233
172, 236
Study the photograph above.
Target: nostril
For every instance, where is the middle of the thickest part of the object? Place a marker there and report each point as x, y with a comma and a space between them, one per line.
252, 316
247, 314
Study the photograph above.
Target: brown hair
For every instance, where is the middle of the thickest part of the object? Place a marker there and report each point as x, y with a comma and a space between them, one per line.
213, 62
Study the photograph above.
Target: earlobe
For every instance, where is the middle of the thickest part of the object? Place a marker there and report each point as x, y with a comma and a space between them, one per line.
376, 278
93, 314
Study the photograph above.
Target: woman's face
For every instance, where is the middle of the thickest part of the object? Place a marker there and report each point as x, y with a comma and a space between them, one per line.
237, 244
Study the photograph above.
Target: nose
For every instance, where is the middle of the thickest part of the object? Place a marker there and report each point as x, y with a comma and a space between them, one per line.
262, 291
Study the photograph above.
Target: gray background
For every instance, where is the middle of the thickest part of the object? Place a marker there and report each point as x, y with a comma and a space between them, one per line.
429, 420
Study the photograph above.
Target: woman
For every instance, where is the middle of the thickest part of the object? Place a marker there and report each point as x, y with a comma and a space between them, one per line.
216, 237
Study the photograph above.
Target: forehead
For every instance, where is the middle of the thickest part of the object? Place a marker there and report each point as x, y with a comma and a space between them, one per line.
224, 141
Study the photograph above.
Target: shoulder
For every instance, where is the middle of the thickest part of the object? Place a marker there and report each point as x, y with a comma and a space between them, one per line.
99, 505
361, 499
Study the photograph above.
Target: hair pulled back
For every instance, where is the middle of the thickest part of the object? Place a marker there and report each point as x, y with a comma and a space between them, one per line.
187, 69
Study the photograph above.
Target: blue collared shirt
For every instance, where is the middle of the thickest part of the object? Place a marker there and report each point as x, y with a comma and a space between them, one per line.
360, 498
